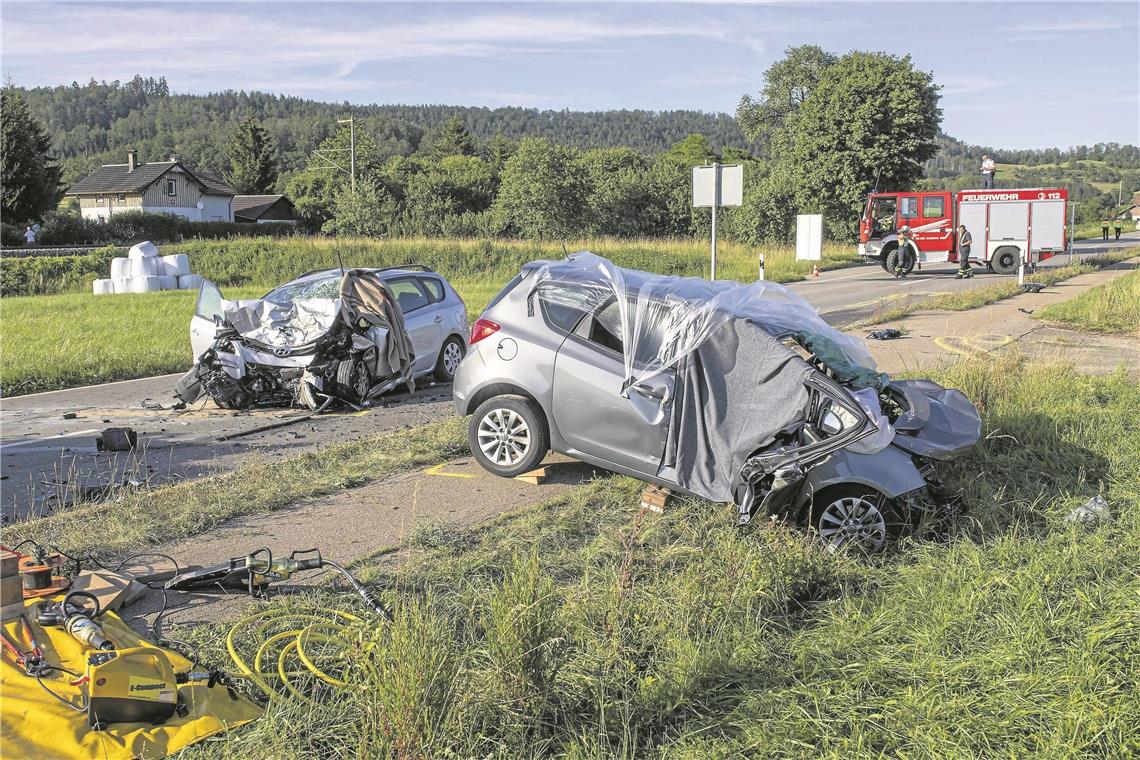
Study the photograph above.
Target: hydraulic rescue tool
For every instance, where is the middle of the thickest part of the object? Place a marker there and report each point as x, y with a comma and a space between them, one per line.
254, 572
75, 618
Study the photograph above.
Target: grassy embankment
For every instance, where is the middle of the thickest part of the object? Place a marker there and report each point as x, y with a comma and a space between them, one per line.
1110, 308
987, 294
579, 629
57, 341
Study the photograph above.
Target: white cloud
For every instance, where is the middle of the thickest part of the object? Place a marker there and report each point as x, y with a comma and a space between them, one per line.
954, 84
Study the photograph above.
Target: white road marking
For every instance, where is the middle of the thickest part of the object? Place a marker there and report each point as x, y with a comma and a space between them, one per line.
49, 438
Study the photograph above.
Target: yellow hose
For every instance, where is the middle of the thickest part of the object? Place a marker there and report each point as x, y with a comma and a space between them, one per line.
299, 627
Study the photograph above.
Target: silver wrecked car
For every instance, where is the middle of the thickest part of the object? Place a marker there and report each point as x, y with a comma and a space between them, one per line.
328, 336
731, 392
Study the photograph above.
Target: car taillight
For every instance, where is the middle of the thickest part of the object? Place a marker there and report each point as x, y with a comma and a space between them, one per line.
482, 329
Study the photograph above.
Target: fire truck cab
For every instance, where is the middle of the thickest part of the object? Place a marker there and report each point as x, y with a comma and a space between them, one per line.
1004, 224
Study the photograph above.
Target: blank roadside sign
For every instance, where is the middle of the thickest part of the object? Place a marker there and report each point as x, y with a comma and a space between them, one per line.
809, 237
705, 185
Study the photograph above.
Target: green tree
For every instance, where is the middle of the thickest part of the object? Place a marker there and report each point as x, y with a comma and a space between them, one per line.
788, 83
456, 186
365, 212
314, 190
498, 150
451, 139
29, 184
620, 199
543, 192
871, 120
253, 157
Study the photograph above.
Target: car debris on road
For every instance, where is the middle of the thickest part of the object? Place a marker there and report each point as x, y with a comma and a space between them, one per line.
730, 392
889, 333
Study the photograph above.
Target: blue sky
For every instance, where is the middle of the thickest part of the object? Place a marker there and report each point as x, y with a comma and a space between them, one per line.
1015, 74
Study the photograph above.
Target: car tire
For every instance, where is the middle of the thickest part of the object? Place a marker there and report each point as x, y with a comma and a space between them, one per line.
508, 435
450, 355
353, 379
1005, 259
858, 518
892, 261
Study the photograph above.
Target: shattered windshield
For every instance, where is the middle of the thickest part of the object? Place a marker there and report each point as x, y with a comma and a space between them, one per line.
320, 286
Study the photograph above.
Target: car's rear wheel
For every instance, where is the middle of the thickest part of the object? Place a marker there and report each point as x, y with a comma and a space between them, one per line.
508, 435
449, 357
858, 518
1005, 260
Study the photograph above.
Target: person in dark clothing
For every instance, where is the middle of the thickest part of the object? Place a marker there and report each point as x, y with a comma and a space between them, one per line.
907, 253
964, 242
1116, 225
1104, 229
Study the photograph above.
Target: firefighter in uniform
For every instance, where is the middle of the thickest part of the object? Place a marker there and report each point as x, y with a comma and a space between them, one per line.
1104, 228
907, 252
964, 243
1116, 224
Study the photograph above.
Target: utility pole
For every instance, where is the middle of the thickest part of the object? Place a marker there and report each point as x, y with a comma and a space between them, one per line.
351, 121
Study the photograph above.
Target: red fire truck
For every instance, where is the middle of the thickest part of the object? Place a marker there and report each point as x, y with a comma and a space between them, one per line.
1004, 225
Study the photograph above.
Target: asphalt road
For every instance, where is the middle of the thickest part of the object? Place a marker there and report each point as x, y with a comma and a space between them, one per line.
47, 458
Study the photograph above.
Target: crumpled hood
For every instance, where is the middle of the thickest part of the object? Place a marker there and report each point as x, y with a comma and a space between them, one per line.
941, 423
275, 326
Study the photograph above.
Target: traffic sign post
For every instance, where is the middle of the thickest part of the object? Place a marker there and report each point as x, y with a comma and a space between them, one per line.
717, 185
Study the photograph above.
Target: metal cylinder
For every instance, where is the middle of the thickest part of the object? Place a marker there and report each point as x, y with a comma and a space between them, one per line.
86, 631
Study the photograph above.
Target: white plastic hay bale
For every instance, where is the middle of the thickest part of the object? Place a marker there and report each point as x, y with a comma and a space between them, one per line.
122, 284
177, 264
146, 267
168, 281
145, 249
120, 267
103, 287
189, 281
151, 284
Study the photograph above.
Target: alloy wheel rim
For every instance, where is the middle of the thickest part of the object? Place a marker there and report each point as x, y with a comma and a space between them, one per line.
451, 358
361, 385
504, 437
853, 521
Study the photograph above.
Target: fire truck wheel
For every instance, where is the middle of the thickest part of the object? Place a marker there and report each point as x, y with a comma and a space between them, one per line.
884, 256
1004, 260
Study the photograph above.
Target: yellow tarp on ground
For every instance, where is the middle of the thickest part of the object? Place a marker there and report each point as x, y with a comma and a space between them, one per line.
33, 725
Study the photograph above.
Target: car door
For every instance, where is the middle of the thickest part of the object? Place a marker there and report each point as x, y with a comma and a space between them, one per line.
208, 313
419, 319
589, 407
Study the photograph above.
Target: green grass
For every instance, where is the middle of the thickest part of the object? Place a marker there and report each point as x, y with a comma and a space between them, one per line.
169, 513
581, 629
69, 339
974, 298
1110, 308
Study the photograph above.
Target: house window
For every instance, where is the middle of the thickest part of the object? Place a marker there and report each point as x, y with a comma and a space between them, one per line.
122, 198
99, 199
171, 187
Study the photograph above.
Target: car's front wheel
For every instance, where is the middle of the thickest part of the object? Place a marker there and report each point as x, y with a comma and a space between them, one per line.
858, 518
508, 435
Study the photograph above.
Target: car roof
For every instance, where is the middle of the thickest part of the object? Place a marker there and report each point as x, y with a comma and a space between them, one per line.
385, 272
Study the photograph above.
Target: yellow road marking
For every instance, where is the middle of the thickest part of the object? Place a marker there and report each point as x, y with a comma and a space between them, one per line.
438, 470
974, 345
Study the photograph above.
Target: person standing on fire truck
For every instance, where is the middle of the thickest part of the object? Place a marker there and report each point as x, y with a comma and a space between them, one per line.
908, 252
988, 169
964, 242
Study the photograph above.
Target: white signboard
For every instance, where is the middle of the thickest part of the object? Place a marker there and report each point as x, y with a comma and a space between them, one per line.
705, 181
809, 237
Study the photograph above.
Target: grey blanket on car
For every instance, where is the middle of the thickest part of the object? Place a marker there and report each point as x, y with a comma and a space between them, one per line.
731, 396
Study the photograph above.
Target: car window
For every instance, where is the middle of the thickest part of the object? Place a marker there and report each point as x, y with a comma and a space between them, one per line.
302, 290
409, 295
605, 328
503, 293
561, 317
933, 206
434, 287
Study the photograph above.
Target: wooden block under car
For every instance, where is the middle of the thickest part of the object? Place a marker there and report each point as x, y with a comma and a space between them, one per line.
9, 564
534, 477
111, 589
656, 498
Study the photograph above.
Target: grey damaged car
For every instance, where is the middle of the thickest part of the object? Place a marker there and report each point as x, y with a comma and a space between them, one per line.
730, 392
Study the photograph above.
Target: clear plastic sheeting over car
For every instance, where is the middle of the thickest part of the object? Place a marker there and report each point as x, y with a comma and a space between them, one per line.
662, 319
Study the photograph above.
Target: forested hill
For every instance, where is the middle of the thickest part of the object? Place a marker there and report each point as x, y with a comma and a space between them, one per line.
96, 123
